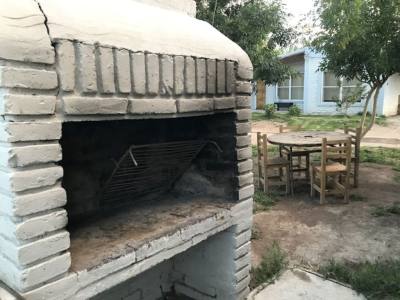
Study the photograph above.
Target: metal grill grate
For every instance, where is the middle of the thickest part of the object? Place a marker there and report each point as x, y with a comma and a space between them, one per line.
151, 168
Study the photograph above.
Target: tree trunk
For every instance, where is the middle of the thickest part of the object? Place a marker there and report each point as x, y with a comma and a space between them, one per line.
375, 92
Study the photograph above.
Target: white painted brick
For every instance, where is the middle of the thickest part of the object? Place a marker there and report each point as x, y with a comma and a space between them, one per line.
245, 179
242, 274
22, 180
243, 295
61, 289
246, 192
243, 114
27, 105
244, 87
243, 140
243, 261
167, 75
27, 278
22, 205
243, 101
230, 77
139, 73
156, 246
90, 106
29, 131
152, 106
243, 153
33, 227
201, 76
246, 205
22, 156
243, 128
31, 252
12, 77
66, 64
221, 77
245, 249
245, 166
87, 79
244, 283
179, 83
153, 74
106, 70
224, 103
211, 76
6, 294
193, 105
243, 238
245, 72
123, 68
245, 223
190, 75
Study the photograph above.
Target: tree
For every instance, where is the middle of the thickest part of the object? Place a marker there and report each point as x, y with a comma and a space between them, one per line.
258, 26
360, 39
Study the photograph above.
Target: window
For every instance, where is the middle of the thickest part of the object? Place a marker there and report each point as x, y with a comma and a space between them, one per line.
292, 88
335, 88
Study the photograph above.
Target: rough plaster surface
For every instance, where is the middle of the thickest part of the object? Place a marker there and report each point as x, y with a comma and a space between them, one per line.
140, 27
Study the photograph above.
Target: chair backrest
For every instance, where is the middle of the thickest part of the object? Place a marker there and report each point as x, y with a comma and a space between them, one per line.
290, 128
336, 150
262, 148
355, 135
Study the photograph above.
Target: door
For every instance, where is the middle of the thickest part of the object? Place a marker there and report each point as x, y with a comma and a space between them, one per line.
260, 94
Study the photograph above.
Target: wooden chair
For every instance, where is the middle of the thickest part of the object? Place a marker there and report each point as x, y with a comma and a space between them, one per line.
355, 135
267, 164
331, 169
298, 152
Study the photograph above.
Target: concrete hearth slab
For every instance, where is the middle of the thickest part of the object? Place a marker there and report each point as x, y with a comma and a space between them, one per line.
299, 284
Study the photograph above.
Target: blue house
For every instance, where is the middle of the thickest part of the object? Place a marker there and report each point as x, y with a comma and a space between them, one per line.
315, 91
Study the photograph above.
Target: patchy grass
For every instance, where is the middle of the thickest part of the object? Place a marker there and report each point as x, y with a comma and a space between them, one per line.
357, 198
272, 150
377, 281
273, 263
393, 209
317, 122
264, 201
383, 156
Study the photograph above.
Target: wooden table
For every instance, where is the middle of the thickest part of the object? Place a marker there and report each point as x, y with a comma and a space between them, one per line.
303, 139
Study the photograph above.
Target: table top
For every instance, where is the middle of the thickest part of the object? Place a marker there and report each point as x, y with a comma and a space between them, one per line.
305, 138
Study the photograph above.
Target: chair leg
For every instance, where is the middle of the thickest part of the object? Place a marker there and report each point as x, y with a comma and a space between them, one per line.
287, 181
308, 166
323, 189
312, 179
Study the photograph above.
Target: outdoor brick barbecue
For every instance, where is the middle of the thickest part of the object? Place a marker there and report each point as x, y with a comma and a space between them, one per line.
125, 158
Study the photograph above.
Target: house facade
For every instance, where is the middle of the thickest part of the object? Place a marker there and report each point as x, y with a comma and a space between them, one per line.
315, 91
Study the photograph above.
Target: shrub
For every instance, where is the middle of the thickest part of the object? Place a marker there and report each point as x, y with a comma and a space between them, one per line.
270, 110
273, 263
294, 111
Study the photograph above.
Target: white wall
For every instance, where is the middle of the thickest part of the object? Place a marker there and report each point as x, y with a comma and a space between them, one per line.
313, 92
391, 93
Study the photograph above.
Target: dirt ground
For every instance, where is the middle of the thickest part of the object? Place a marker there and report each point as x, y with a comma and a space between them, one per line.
312, 234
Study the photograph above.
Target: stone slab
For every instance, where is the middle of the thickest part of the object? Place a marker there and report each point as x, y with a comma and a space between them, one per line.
299, 284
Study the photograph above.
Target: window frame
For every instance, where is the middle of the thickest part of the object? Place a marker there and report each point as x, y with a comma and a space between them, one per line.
290, 90
336, 86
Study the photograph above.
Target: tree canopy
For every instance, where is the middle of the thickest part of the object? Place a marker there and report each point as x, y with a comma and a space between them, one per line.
258, 26
360, 39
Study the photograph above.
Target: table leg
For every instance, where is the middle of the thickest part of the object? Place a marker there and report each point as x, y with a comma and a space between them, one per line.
291, 170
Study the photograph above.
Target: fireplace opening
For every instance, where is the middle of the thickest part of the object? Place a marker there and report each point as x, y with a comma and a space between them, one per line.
131, 181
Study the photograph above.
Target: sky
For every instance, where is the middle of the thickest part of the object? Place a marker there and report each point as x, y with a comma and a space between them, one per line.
297, 8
